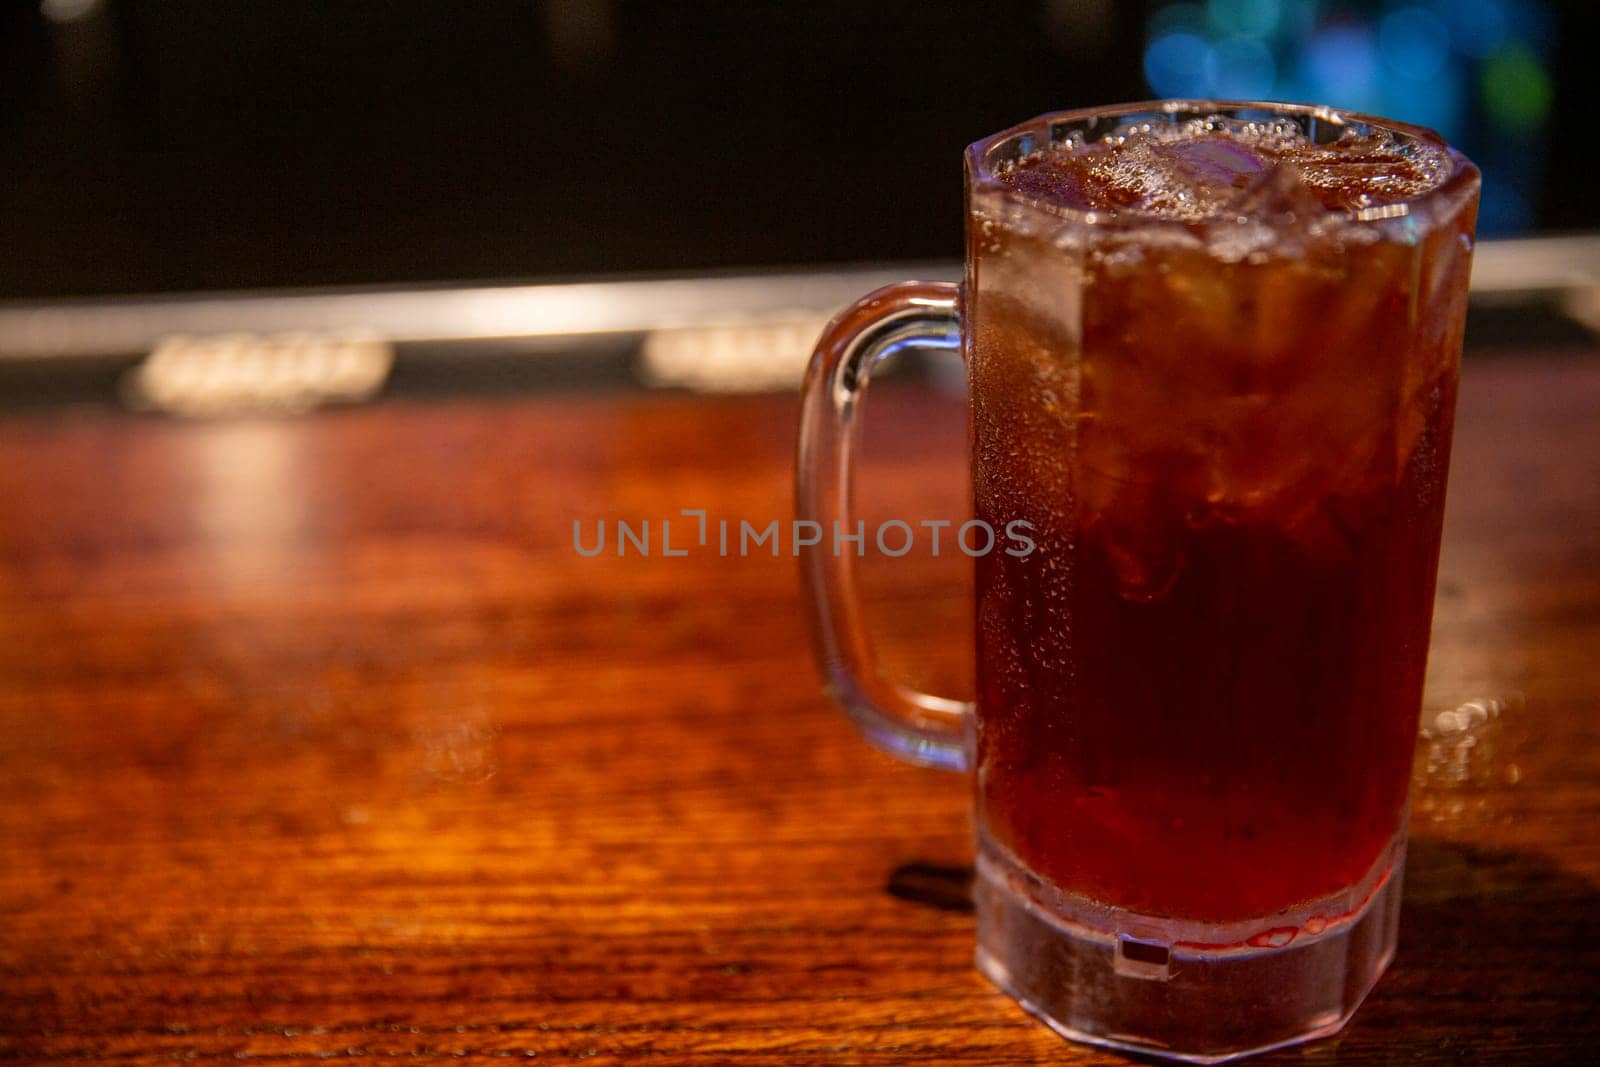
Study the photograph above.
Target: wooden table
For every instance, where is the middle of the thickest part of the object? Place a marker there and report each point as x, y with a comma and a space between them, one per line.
319, 740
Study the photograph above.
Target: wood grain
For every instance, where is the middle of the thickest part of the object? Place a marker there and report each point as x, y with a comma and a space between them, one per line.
318, 740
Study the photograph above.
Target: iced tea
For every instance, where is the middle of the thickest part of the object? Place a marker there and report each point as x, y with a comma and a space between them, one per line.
1225, 407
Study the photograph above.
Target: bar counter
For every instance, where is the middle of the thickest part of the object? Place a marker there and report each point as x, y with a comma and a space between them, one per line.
320, 739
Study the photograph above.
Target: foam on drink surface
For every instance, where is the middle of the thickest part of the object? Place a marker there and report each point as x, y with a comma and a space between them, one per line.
1217, 168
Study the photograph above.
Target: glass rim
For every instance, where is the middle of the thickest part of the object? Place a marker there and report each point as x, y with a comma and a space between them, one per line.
1048, 128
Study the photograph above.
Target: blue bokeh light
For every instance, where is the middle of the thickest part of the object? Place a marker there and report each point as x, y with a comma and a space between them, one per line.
1340, 67
1296, 19
1243, 18
1438, 103
1477, 71
1477, 27
1179, 64
1414, 43
1502, 206
1242, 69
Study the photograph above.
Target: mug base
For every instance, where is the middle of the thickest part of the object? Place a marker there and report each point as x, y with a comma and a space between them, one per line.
1198, 993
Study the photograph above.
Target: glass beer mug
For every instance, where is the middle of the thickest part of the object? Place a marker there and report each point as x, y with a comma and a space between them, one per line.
1212, 354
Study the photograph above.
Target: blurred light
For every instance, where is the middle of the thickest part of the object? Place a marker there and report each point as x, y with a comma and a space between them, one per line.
1471, 69
68, 10
1341, 66
1413, 42
1297, 18
1437, 103
1516, 89
252, 499
1178, 65
1177, 18
246, 373
1242, 69
1243, 18
732, 357
1503, 207
1476, 26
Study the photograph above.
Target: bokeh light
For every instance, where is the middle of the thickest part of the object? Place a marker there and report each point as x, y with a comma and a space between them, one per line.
1414, 43
1297, 18
1516, 89
1477, 27
1341, 64
1242, 18
1241, 68
1438, 103
1179, 64
1474, 70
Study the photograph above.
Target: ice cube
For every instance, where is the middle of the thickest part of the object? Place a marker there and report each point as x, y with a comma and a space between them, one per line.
1272, 211
1179, 179
1276, 193
1215, 162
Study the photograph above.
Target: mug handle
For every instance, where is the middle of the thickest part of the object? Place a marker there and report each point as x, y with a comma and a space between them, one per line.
917, 727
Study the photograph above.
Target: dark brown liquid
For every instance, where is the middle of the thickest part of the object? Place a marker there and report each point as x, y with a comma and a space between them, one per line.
1235, 744
1198, 697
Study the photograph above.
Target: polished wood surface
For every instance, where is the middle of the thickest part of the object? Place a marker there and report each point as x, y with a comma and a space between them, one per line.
319, 740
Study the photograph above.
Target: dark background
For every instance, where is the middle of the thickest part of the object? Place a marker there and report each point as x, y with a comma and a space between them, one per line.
153, 145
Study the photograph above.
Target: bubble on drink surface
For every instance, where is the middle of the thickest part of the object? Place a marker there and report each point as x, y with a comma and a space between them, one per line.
1195, 171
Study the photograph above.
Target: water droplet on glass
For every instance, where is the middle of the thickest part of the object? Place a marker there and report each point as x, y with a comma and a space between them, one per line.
1275, 938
